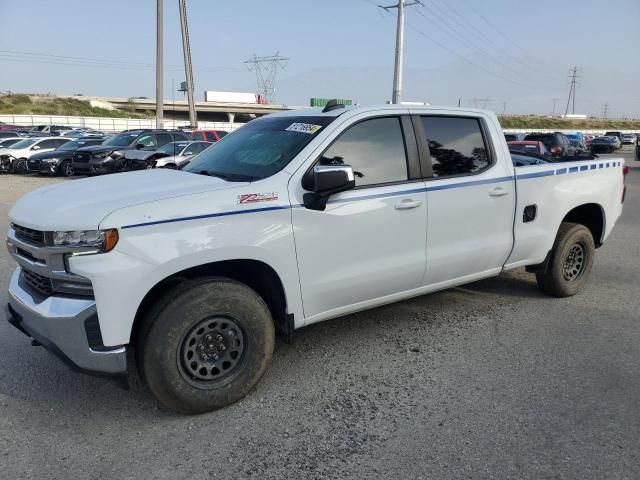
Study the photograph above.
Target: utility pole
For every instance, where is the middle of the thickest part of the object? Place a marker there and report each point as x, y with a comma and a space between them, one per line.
159, 72
396, 96
606, 110
266, 69
573, 76
186, 50
504, 107
555, 100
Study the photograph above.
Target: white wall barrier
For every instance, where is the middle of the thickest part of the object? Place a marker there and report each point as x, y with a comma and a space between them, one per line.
106, 124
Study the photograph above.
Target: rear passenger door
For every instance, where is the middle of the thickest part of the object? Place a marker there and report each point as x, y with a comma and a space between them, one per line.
369, 242
470, 198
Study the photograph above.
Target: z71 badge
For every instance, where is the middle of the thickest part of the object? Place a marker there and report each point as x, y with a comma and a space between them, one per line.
257, 197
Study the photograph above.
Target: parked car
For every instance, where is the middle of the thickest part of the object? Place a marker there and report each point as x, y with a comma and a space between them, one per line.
603, 145
14, 158
109, 157
512, 137
615, 134
557, 143
616, 141
207, 135
628, 139
530, 146
524, 159
8, 126
298, 217
577, 141
173, 153
10, 134
82, 132
60, 160
7, 142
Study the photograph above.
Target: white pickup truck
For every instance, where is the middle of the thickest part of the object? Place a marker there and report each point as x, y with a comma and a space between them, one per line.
295, 218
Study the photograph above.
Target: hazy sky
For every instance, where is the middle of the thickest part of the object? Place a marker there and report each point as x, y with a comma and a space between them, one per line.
518, 52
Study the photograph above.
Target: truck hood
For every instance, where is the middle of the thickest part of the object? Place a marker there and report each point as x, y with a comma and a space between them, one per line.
83, 204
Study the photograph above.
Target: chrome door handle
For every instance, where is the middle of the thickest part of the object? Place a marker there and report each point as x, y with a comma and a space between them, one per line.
407, 204
498, 192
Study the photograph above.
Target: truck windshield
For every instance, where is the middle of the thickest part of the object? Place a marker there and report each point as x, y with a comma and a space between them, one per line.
258, 150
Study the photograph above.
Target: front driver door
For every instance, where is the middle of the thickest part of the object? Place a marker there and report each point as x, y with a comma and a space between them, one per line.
369, 243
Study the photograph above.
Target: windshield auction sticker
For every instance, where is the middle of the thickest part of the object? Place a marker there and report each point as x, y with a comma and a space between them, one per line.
303, 128
257, 197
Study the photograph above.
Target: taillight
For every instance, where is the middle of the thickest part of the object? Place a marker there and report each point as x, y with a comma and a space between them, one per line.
556, 149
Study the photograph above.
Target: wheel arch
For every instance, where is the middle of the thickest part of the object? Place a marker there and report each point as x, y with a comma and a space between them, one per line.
592, 216
256, 274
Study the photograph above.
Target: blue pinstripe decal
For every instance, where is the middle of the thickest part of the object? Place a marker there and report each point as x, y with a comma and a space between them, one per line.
523, 176
208, 215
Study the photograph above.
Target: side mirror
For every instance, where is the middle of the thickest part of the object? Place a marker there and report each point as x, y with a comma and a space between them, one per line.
35, 147
139, 146
186, 154
328, 180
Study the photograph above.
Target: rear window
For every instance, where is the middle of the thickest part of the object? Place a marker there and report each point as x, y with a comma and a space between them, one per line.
548, 140
523, 148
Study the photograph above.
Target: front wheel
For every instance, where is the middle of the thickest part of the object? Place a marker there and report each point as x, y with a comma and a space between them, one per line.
66, 169
20, 166
571, 261
207, 346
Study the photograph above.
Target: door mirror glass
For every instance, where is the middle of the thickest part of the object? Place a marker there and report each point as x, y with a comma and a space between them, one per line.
328, 180
139, 146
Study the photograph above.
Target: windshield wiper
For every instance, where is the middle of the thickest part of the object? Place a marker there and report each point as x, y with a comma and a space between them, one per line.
228, 177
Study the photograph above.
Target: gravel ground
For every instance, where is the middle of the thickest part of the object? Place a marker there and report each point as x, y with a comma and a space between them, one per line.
493, 380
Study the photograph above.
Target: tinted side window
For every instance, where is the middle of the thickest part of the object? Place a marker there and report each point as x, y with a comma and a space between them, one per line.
163, 138
374, 148
456, 145
179, 137
49, 144
197, 147
146, 141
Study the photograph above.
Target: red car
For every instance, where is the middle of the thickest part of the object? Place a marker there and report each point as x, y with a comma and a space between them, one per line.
207, 135
529, 146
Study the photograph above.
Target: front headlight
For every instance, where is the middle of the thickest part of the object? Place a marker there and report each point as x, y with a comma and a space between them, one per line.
101, 240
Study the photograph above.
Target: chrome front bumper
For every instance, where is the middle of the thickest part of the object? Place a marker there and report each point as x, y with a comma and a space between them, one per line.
59, 323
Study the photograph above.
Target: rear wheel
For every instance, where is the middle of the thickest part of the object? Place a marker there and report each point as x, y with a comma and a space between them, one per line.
571, 261
207, 347
66, 169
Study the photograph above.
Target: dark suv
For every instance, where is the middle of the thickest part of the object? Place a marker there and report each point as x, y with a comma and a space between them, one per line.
111, 155
557, 143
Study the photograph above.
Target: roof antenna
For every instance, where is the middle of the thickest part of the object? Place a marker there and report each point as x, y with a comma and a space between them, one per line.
332, 105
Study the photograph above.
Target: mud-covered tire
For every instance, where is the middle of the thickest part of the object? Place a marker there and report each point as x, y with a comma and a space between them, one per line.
163, 344
570, 262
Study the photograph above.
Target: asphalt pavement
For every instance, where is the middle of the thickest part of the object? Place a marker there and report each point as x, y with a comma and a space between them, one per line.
492, 380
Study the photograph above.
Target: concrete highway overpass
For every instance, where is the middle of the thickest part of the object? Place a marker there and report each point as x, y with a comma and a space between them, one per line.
179, 109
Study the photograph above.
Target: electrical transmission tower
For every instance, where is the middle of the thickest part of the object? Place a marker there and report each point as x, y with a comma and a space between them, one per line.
606, 110
555, 101
573, 81
266, 69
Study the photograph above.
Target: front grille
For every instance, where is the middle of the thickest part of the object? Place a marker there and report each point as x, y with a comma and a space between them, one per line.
40, 283
82, 157
29, 235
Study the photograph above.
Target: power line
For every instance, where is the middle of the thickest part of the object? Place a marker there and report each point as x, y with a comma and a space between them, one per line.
458, 55
473, 45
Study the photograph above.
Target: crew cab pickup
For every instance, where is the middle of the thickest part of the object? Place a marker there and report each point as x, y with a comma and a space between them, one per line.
295, 218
